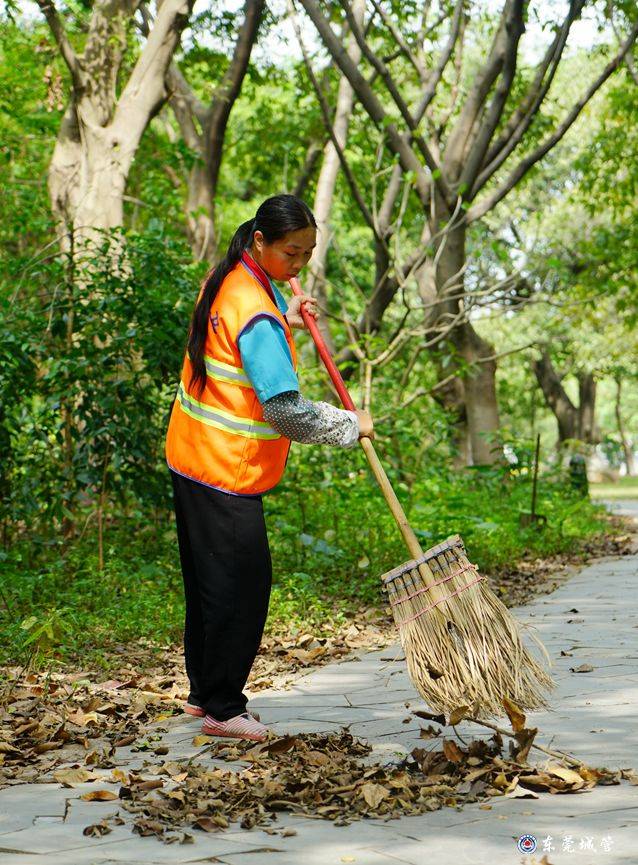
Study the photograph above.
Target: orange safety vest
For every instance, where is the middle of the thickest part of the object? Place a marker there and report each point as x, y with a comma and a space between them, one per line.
219, 437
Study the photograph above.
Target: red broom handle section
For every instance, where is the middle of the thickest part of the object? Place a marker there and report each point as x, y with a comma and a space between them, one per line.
322, 348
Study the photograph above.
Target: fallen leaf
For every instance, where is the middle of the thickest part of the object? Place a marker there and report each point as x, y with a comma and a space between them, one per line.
211, 824
374, 794
181, 776
119, 776
458, 715
99, 796
518, 792
429, 716
43, 747
149, 784
429, 732
452, 751
73, 776
280, 746
568, 775
525, 740
97, 830
630, 775
515, 714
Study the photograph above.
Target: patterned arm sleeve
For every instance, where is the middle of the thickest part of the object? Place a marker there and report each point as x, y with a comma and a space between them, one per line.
295, 417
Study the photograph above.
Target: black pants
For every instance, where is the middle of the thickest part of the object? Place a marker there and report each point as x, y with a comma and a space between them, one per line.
227, 573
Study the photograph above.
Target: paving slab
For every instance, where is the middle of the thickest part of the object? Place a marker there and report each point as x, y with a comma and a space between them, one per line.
593, 616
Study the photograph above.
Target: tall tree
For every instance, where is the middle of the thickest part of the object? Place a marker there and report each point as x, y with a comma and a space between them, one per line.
203, 129
107, 113
479, 143
575, 421
316, 283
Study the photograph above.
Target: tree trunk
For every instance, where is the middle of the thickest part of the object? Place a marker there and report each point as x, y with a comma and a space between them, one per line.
199, 213
481, 403
587, 430
556, 398
574, 422
471, 397
212, 120
87, 178
103, 124
316, 284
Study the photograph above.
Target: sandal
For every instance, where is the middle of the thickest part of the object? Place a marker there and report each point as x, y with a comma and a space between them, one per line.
198, 712
244, 726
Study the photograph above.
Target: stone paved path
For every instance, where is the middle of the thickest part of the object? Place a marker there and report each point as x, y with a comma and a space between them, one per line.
593, 716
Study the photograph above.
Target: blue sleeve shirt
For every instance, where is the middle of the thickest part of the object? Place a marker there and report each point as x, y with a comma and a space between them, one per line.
265, 355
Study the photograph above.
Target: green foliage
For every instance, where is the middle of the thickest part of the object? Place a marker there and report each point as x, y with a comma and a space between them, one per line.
331, 535
86, 399
62, 607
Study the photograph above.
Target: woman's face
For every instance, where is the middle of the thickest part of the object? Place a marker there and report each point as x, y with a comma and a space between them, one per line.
285, 257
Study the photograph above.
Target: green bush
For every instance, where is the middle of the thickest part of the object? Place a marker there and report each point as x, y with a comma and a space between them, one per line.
331, 535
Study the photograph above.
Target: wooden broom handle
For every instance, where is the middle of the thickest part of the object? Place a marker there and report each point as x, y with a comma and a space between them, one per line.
378, 471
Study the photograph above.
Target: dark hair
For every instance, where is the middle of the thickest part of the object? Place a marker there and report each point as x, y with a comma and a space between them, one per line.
275, 217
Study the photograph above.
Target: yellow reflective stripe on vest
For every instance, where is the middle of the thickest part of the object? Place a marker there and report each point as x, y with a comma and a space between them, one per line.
220, 371
254, 429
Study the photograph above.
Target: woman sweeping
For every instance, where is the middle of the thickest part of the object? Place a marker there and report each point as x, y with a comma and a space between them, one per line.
236, 411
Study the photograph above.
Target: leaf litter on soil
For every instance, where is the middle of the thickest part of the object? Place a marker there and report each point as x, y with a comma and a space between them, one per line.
53, 718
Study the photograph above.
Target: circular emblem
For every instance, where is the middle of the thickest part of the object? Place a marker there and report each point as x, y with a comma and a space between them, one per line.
526, 844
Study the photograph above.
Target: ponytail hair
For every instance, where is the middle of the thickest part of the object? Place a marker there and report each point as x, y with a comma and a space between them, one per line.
275, 217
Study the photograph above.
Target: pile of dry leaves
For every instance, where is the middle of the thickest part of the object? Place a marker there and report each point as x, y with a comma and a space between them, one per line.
326, 776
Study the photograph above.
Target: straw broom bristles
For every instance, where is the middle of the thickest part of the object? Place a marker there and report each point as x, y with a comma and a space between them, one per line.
462, 645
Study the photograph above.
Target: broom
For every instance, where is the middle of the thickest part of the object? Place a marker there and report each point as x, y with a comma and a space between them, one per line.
463, 647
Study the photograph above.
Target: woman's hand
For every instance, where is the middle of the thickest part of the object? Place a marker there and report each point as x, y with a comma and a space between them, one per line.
366, 427
293, 313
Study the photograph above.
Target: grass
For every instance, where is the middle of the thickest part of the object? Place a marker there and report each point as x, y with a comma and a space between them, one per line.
327, 556
623, 488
